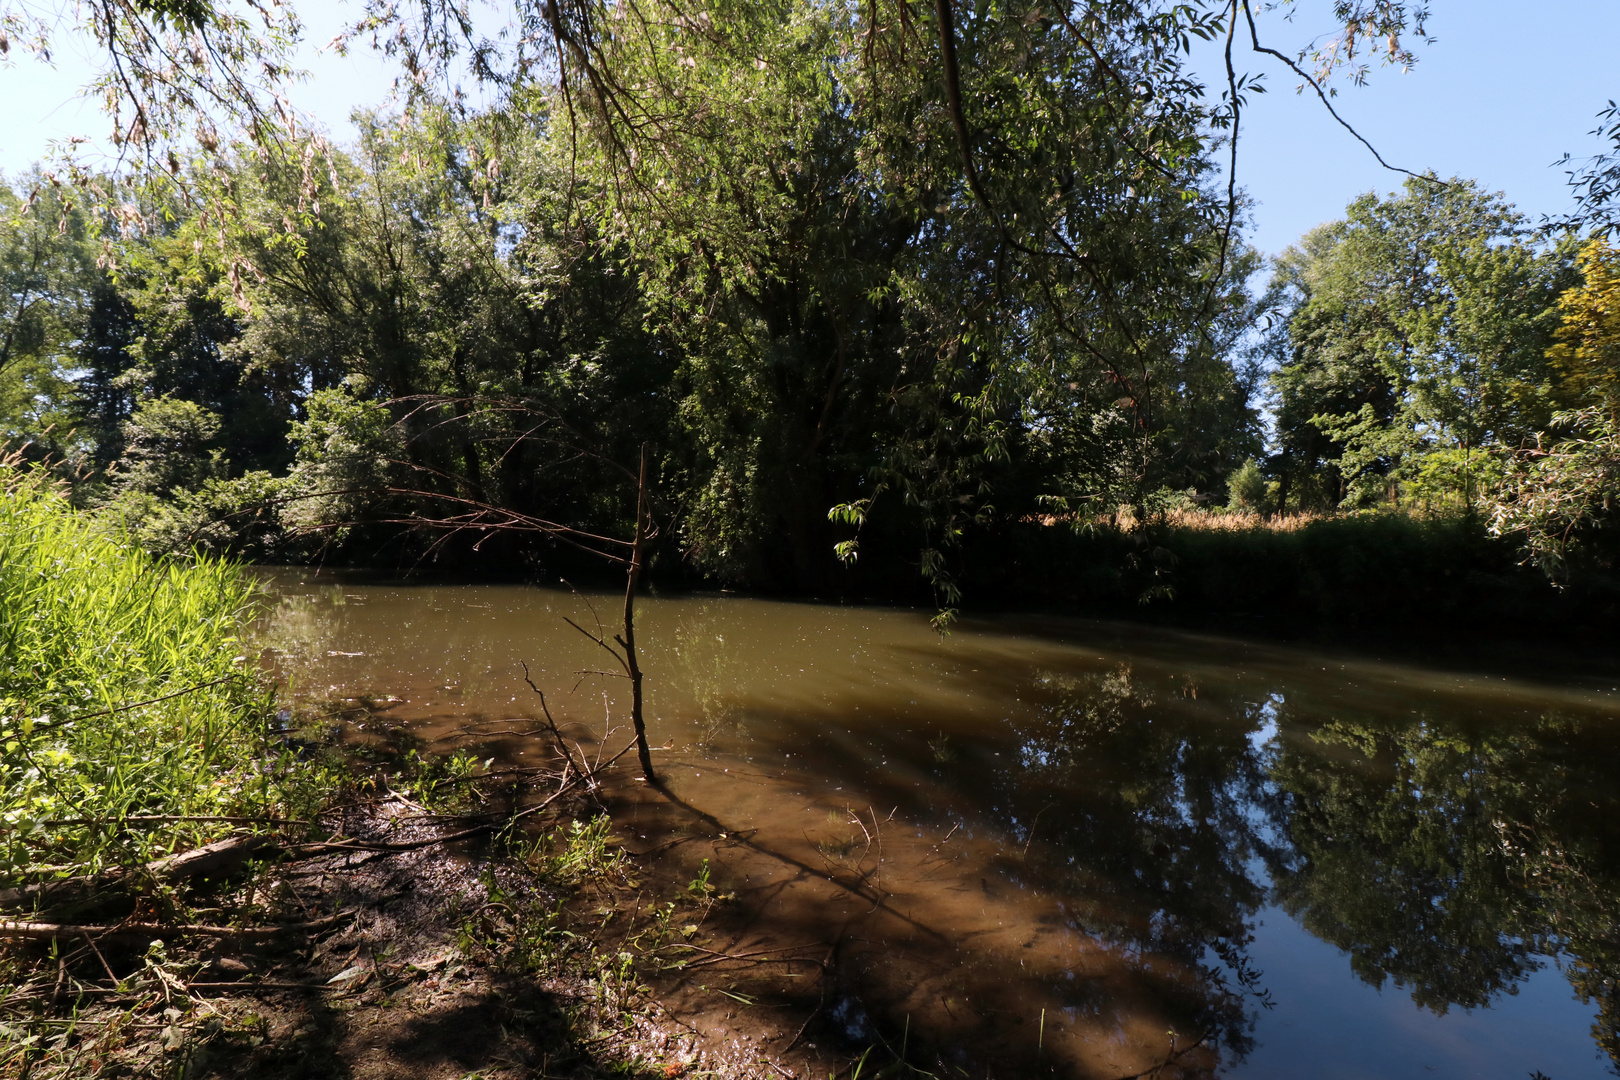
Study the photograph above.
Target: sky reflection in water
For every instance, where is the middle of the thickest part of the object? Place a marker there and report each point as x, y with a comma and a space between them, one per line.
1340, 867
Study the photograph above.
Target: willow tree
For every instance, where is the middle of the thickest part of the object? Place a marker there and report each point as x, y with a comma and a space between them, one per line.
895, 289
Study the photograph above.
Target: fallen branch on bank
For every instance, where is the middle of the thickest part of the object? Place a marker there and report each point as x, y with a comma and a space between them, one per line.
229, 855
43, 931
167, 819
222, 856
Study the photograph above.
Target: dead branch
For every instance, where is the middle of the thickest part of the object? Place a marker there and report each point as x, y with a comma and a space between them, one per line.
222, 856
551, 724
157, 819
43, 931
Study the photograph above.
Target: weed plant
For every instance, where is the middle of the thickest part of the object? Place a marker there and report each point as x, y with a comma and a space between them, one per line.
124, 696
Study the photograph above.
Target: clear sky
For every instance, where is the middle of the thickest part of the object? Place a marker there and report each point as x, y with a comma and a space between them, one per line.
1503, 92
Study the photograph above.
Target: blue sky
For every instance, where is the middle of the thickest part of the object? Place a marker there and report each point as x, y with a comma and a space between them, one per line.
1503, 92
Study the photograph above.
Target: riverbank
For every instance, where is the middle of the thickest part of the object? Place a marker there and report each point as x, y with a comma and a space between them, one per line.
423, 936
1397, 576
195, 883
1385, 578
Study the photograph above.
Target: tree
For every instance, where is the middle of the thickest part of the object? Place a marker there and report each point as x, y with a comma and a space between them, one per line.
1586, 356
47, 279
1417, 345
499, 338
1561, 488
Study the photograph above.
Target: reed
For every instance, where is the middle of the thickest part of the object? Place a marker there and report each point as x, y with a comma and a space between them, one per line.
124, 694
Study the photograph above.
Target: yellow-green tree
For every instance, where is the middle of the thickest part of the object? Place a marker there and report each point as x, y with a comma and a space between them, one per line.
1563, 489
1587, 355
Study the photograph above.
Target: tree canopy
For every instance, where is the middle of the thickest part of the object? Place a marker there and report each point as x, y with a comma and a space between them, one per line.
870, 279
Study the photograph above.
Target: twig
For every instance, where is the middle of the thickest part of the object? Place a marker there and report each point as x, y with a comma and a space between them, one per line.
154, 701
556, 733
822, 1004
251, 985
1171, 1059
1032, 826
1254, 38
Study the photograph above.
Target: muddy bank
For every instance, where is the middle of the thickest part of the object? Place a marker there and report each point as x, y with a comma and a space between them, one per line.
803, 937
518, 951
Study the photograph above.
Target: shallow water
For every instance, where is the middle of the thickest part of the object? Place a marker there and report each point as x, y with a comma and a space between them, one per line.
1050, 844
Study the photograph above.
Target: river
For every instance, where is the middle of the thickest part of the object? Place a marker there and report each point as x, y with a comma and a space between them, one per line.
1065, 846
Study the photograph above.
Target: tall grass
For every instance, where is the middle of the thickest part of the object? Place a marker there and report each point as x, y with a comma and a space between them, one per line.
123, 693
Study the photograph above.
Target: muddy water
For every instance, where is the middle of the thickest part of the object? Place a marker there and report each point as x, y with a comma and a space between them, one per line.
1043, 847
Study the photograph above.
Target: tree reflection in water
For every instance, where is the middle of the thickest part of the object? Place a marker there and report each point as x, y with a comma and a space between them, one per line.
1449, 855
1152, 815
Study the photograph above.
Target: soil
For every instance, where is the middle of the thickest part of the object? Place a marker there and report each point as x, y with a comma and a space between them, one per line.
424, 977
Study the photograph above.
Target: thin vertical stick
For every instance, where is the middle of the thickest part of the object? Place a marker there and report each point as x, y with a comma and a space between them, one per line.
629, 640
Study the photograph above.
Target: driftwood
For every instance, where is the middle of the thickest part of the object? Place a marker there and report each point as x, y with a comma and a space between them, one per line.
228, 855
222, 856
85, 893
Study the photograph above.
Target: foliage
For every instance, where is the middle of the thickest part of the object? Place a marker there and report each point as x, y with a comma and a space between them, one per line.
47, 277
1560, 490
1587, 353
1246, 488
122, 692
1324, 575
1555, 494
877, 316
1596, 184
1421, 328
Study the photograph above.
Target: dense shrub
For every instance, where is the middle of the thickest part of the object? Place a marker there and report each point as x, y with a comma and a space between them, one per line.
1439, 577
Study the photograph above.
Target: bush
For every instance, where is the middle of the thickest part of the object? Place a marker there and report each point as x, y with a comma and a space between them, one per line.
123, 692
1433, 577
1246, 488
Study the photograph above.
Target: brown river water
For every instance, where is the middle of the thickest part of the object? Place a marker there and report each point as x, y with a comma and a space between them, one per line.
1043, 846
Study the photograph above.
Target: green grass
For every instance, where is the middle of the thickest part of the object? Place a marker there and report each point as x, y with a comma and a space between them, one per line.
124, 692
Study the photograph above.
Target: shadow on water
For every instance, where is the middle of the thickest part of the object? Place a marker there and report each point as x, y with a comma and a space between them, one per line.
1057, 849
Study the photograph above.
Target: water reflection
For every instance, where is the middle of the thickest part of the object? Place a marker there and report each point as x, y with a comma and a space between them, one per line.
1086, 824
1451, 856
1143, 804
